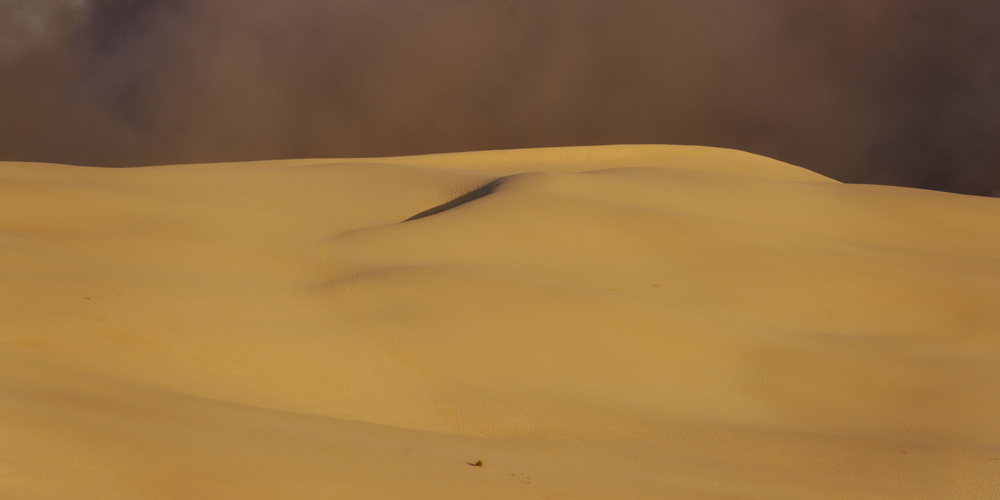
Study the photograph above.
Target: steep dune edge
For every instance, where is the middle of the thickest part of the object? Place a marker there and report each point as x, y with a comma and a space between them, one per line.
604, 322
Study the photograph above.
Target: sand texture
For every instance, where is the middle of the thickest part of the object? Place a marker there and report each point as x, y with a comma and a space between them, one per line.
624, 322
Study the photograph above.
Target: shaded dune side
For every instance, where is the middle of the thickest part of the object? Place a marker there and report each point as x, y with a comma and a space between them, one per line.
473, 195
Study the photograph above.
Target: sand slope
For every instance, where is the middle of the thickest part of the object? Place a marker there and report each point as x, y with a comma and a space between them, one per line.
608, 322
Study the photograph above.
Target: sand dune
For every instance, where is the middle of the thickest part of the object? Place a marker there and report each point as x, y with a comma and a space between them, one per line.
606, 322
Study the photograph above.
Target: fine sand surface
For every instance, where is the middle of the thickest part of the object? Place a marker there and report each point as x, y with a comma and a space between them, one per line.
627, 322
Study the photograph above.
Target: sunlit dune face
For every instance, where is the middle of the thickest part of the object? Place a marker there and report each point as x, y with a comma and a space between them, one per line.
640, 322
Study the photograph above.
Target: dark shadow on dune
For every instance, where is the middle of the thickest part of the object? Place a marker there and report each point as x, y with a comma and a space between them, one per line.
475, 194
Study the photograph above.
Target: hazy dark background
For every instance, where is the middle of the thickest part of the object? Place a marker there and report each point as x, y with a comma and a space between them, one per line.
902, 92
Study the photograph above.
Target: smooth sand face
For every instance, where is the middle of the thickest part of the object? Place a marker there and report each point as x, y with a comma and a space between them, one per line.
613, 322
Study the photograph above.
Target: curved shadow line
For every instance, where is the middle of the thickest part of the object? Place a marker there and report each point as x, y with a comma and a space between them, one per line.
473, 195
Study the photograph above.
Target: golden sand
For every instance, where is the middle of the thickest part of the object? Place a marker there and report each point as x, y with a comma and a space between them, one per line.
624, 322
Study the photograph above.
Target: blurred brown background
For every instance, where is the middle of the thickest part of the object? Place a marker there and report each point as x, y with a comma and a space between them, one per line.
903, 92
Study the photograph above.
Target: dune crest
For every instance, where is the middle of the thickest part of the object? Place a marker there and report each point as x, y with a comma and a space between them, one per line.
599, 322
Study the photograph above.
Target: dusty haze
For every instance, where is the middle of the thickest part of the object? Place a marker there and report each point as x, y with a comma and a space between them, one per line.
889, 91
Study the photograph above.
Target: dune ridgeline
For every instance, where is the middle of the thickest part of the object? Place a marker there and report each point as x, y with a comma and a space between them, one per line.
622, 322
